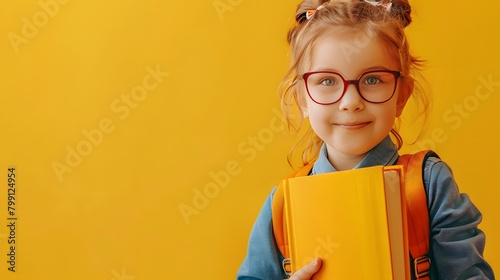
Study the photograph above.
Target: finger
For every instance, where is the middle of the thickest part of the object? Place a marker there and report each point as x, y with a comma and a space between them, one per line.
307, 271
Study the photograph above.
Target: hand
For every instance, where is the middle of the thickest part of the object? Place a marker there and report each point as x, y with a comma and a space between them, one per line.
307, 271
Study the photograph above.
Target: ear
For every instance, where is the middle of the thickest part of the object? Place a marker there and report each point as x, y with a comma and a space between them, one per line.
403, 96
305, 112
301, 100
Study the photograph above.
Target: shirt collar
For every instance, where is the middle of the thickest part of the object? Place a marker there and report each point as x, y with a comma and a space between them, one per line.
385, 153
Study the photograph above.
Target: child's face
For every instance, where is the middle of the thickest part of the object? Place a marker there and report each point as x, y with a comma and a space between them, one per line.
352, 126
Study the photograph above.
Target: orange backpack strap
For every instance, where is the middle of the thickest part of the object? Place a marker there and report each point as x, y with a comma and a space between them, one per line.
418, 214
279, 223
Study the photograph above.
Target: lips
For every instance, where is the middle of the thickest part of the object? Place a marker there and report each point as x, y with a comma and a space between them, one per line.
352, 125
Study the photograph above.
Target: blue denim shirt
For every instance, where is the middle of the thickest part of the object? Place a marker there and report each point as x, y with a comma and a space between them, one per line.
457, 245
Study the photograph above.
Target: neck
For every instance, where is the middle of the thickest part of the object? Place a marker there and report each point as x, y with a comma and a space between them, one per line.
342, 161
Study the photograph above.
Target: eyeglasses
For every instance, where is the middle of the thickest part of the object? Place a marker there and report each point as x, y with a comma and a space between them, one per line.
325, 87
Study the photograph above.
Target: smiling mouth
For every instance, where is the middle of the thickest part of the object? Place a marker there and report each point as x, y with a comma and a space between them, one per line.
356, 125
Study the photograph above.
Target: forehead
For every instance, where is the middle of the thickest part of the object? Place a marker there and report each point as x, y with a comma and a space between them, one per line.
352, 53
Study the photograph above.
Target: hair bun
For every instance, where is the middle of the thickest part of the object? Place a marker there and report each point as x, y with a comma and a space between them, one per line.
402, 9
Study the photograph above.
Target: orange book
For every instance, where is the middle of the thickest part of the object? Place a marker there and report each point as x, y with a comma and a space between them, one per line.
354, 220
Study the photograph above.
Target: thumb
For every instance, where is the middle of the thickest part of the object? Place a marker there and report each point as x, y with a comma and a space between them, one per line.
306, 272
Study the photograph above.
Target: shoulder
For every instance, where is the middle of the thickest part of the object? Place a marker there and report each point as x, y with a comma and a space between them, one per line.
436, 171
271, 195
266, 210
443, 194
432, 159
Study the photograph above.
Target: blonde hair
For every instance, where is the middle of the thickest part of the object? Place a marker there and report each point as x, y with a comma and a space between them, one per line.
345, 16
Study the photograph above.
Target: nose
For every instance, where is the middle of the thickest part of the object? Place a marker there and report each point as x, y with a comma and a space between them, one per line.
352, 100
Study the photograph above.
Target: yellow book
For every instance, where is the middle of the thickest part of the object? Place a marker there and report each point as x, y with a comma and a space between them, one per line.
354, 220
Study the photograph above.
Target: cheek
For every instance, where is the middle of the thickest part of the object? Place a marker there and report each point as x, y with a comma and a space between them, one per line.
319, 115
388, 114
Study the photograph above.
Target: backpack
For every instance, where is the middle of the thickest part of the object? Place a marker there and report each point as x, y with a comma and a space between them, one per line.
417, 213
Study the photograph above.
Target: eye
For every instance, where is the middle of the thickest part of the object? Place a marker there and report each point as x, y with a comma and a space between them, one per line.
328, 82
372, 80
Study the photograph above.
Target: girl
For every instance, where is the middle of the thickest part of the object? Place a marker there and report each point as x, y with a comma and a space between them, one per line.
351, 75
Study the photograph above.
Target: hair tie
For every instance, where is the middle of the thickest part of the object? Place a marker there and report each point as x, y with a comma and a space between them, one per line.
310, 13
387, 6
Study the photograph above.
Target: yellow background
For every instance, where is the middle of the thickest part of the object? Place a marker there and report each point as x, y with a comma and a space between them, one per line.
68, 67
